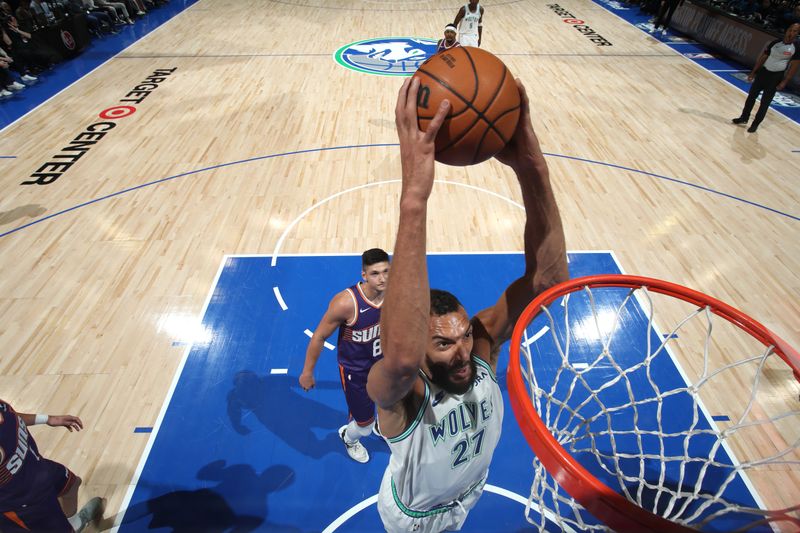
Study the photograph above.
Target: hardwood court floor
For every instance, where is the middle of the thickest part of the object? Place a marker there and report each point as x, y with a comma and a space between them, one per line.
93, 299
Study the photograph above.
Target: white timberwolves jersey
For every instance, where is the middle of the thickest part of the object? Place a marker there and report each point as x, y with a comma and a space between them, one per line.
445, 453
468, 27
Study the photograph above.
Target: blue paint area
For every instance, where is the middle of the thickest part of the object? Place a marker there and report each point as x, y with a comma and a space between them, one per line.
143, 430
697, 52
721, 418
241, 449
98, 52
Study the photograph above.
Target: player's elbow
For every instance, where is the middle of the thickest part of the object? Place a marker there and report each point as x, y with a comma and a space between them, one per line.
403, 367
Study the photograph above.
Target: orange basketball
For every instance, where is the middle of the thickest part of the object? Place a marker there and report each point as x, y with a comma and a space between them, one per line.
484, 104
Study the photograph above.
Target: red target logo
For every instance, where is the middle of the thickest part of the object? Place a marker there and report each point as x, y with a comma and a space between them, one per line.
573, 21
68, 40
120, 111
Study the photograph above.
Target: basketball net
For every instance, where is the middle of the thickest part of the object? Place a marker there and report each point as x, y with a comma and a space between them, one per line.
636, 430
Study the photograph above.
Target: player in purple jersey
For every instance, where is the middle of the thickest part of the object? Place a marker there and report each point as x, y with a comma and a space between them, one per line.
37, 494
449, 40
356, 312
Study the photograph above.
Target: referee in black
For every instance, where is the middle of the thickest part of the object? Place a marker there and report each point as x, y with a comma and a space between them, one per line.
771, 74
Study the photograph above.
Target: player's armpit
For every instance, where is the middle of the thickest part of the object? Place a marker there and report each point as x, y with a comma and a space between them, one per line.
389, 384
395, 419
490, 329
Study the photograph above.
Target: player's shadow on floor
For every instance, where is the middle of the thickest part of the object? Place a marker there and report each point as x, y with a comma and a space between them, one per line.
237, 503
283, 408
23, 211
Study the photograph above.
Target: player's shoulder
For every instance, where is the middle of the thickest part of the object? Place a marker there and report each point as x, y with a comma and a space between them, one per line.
343, 301
5, 411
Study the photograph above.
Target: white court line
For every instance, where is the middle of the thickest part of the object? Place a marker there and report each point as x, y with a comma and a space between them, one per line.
279, 371
710, 419
276, 251
328, 345
278, 296
175, 378
531, 340
344, 517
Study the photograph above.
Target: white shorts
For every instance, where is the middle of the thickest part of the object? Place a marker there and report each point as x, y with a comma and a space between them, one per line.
468, 39
397, 521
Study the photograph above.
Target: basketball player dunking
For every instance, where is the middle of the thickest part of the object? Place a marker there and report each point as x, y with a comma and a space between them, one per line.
440, 407
469, 22
37, 494
356, 311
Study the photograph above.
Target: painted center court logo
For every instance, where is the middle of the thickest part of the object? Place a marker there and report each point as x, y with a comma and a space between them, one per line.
386, 56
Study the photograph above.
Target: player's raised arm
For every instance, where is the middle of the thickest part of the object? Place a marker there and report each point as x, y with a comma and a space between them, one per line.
340, 310
406, 308
545, 247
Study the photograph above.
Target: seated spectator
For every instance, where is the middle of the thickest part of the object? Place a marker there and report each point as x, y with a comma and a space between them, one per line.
136, 7
7, 82
789, 16
765, 13
746, 8
99, 21
42, 13
29, 59
121, 10
25, 16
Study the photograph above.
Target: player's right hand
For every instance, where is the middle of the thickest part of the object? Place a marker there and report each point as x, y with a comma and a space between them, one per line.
417, 148
307, 381
71, 422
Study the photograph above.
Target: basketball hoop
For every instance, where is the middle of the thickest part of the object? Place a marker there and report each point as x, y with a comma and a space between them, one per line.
607, 426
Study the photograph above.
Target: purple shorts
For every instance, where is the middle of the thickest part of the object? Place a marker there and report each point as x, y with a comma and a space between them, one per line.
361, 406
36, 507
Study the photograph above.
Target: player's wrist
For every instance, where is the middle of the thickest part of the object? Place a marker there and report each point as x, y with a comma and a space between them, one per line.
41, 419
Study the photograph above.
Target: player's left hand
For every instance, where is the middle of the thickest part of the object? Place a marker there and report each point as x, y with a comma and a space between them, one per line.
523, 153
782, 85
68, 421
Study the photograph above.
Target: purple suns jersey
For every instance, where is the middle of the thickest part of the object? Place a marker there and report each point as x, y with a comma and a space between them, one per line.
359, 344
19, 456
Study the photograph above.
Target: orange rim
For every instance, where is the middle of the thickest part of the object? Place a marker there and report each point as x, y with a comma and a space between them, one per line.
599, 499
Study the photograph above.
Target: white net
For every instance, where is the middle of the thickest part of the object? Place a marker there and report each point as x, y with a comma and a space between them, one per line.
700, 429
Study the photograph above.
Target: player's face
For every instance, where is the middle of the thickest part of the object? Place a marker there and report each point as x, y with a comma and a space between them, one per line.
376, 275
449, 354
449, 36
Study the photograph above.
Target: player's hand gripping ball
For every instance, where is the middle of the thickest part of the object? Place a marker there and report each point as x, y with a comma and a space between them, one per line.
484, 104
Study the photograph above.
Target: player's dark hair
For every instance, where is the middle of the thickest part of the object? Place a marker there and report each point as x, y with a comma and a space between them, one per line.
372, 256
443, 302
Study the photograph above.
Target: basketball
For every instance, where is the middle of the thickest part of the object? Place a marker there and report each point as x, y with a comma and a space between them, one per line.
484, 104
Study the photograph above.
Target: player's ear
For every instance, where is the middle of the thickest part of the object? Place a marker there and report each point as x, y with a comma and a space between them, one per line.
364, 275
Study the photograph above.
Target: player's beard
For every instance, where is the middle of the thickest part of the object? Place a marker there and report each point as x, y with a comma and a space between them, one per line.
440, 376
